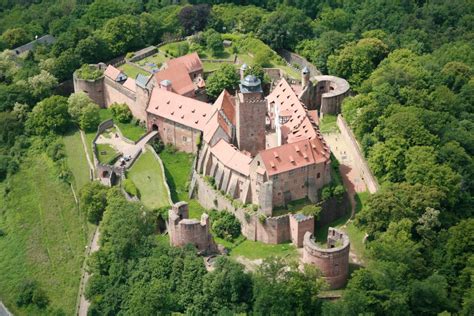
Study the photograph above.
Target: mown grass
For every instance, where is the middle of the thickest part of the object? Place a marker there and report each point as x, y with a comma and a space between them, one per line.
106, 153
147, 175
178, 168
328, 124
45, 236
76, 159
258, 250
132, 71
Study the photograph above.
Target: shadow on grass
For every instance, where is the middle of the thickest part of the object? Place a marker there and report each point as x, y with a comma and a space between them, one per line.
171, 185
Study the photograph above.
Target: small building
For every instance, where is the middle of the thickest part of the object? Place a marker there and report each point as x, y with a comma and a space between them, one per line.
43, 40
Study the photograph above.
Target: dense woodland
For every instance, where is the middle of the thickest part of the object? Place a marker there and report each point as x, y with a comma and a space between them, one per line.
410, 64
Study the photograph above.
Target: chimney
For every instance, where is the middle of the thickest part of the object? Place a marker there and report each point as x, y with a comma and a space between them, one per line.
166, 85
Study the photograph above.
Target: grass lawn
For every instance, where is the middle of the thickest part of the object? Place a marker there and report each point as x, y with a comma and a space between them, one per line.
132, 71
106, 153
158, 59
328, 124
45, 237
147, 175
178, 171
258, 250
76, 159
292, 207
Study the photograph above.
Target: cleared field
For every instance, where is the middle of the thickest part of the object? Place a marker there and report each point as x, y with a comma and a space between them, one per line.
258, 250
45, 236
132, 71
147, 175
178, 171
76, 159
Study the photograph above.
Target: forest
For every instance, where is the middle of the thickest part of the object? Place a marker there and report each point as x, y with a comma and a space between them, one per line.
410, 64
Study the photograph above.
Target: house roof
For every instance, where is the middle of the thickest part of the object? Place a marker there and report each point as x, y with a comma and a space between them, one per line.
130, 84
231, 157
45, 39
225, 113
292, 156
299, 126
192, 62
112, 72
183, 110
142, 80
181, 82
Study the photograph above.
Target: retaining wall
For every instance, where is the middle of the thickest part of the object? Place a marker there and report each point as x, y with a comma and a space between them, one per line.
293, 58
356, 152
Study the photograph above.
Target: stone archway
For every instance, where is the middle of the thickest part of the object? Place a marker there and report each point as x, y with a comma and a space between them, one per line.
154, 127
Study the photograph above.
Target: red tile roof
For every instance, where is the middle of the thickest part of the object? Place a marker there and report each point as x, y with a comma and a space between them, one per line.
231, 157
180, 109
112, 72
192, 62
181, 82
295, 155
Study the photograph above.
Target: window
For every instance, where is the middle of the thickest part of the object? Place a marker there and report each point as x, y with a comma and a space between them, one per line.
185, 139
258, 163
318, 175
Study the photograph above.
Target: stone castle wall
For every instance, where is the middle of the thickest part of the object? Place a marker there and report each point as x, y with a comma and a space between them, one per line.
293, 58
333, 260
93, 88
274, 230
298, 228
356, 152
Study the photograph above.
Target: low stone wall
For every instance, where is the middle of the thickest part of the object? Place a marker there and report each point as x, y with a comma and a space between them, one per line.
293, 58
356, 152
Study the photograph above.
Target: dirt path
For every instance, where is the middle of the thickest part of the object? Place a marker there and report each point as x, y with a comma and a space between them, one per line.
92, 247
84, 143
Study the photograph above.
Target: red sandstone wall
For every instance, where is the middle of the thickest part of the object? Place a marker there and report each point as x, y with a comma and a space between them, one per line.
180, 136
299, 228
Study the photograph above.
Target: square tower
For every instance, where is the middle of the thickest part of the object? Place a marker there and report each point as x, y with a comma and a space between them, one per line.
251, 113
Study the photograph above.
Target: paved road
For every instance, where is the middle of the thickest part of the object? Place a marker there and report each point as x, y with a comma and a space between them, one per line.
4, 311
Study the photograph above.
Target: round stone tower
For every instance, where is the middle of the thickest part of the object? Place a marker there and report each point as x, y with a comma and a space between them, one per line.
93, 88
332, 259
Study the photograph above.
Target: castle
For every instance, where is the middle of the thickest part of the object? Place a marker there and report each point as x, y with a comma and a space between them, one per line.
262, 150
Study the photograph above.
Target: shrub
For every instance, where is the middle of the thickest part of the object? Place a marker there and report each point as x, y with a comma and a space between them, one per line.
311, 210
264, 58
339, 191
158, 145
130, 188
326, 193
225, 225
262, 218
88, 72
31, 293
129, 55
2, 233
55, 150
247, 217
90, 118
121, 112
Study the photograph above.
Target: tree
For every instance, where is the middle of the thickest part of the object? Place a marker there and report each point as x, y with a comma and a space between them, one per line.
11, 129
49, 116
387, 159
15, 37
121, 112
90, 117
225, 225
92, 49
120, 34
250, 19
223, 78
76, 104
42, 85
194, 18
456, 74
429, 296
356, 61
227, 287
279, 287
214, 42
297, 27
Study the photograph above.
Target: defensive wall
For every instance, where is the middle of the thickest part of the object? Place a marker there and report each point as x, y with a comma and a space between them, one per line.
356, 152
269, 230
293, 58
332, 259
330, 92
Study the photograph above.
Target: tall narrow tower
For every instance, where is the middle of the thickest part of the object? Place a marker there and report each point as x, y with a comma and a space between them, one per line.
251, 112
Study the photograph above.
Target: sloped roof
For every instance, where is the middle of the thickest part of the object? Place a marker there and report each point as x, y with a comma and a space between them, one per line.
142, 80
180, 109
225, 110
45, 39
130, 84
112, 72
292, 156
231, 157
192, 62
181, 82
298, 126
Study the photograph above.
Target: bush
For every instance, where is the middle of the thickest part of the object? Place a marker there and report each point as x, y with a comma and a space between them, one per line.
264, 58
338, 191
88, 72
311, 210
158, 145
121, 112
130, 188
55, 151
31, 293
326, 193
93, 201
262, 218
90, 118
2, 233
225, 225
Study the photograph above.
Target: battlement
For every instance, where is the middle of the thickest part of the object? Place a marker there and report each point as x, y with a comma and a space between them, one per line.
183, 230
332, 260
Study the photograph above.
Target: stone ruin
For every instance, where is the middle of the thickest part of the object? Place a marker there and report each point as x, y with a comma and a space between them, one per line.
332, 260
183, 230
